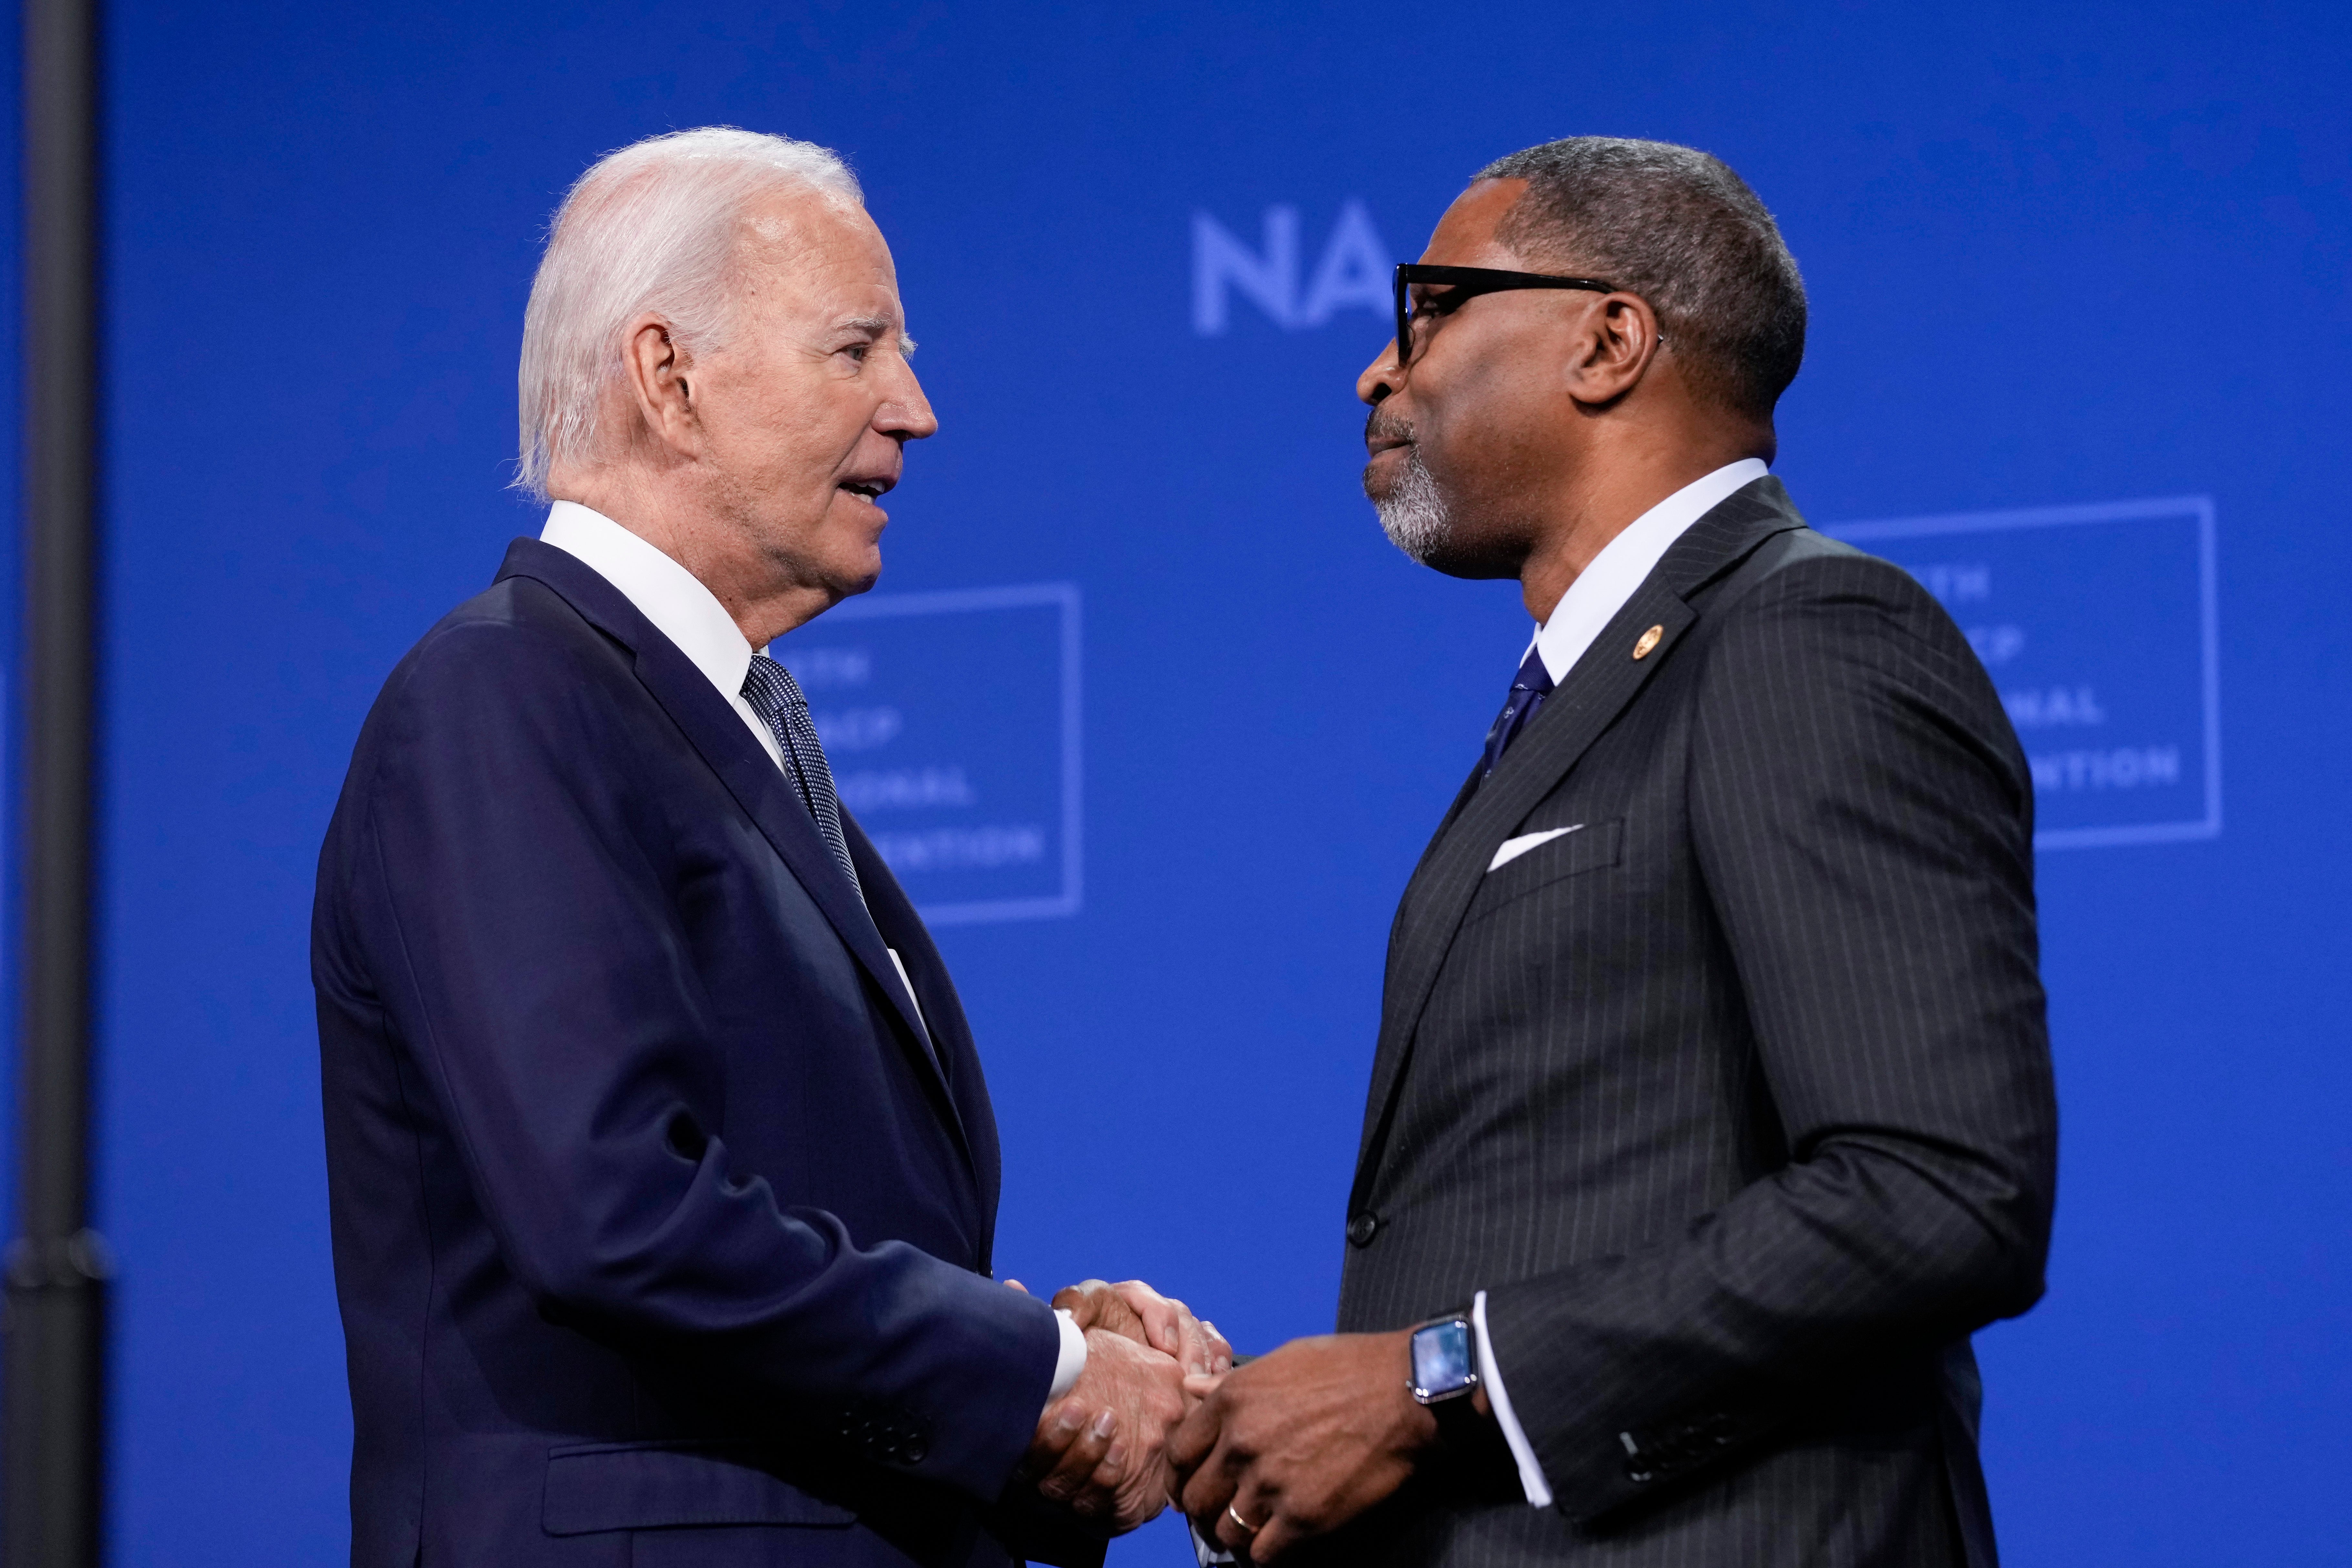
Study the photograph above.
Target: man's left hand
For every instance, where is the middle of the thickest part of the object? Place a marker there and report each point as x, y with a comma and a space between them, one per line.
1300, 1441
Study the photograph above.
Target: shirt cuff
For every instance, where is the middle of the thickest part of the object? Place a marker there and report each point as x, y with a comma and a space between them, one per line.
1072, 1362
1531, 1476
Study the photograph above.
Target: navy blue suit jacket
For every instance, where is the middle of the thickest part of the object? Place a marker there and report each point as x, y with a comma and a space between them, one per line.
659, 1235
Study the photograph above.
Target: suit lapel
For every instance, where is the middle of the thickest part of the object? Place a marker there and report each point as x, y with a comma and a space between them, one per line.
963, 1092
1605, 681
719, 733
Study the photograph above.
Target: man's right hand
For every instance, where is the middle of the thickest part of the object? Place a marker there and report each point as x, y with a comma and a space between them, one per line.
1102, 1447
1135, 1310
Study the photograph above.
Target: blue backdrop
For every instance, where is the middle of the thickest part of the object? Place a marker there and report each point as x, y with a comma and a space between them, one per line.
2060, 257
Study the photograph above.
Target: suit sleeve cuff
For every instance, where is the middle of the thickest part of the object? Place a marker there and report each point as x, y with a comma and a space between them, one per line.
1072, 1363
1531, 1476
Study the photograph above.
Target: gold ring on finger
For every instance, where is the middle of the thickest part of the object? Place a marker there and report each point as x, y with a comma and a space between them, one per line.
1247, 1528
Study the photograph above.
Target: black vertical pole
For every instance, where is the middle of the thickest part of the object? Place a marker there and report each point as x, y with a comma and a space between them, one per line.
56, 1266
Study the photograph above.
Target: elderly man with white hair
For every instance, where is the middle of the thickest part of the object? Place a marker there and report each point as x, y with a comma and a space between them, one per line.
662, 1169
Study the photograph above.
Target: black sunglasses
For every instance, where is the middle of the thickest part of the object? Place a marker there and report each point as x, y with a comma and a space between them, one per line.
1462, 284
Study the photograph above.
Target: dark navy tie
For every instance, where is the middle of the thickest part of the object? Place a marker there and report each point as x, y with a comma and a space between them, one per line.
776, 698
1529, 690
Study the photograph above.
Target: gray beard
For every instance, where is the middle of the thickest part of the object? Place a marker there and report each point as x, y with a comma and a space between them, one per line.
1413, 514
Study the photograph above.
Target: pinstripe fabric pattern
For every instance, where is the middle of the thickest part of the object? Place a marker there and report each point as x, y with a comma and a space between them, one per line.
1738, 1101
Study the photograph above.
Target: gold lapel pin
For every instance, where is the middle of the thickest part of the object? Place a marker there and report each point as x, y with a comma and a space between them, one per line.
1649, 640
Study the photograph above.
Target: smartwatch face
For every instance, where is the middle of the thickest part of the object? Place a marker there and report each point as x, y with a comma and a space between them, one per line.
1441, 1357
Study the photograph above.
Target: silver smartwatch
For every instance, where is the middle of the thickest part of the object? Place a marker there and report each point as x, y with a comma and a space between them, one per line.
1445, 1359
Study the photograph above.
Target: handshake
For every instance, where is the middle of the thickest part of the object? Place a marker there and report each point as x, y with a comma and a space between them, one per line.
1292, 1445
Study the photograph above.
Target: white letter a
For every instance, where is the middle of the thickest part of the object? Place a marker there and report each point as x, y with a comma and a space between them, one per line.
1355, 270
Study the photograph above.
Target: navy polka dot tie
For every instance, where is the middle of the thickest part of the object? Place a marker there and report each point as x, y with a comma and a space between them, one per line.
1529, 690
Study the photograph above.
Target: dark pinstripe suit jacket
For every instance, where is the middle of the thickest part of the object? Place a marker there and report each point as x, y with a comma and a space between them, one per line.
1736, 1098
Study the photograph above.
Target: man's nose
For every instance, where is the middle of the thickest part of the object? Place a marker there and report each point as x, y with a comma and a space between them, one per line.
1380, 377
907, 413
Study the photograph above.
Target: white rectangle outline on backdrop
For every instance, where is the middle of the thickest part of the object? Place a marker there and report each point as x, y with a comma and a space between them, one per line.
2200, 509
1063, 595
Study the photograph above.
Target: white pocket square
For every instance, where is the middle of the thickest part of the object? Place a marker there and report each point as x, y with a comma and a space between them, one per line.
1512, 849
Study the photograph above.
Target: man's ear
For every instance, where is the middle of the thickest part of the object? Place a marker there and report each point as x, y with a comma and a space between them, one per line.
660, 374
1615, 347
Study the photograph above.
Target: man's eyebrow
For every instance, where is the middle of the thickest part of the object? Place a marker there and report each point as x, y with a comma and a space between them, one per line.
876, 327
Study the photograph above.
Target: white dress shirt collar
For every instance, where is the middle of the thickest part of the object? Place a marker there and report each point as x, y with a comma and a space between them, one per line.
669, 595
1602, 589
663, 591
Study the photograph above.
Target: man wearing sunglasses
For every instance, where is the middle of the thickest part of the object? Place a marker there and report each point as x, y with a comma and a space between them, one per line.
1711, 1110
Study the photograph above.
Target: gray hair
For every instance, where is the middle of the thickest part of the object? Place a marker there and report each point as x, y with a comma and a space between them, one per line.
1680, 229
1413, 513
652, 227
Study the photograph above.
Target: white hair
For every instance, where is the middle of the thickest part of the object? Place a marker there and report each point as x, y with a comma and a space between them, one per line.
652, 227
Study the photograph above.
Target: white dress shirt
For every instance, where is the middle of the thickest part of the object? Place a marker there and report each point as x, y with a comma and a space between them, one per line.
1591, 603
1602, 589
675, 600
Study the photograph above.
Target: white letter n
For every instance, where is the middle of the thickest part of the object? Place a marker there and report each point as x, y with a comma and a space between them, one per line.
1219, 260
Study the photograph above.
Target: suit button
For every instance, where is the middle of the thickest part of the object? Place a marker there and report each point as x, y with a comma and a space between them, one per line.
1363, 1229
913, 1453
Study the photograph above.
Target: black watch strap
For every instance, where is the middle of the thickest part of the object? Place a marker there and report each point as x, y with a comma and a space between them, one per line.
1458, 1420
